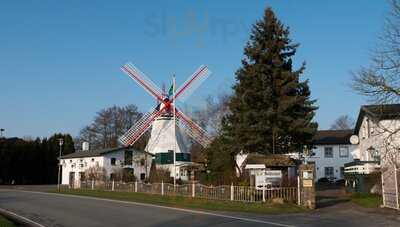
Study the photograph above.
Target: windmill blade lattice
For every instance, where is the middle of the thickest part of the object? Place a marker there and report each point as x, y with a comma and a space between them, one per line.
192, 129
192, 83
139, 128
143, 81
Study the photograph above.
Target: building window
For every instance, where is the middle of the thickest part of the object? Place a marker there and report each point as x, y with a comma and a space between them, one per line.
92, 159
82, 176
328, 152
376, 156
329, 172
142, 176
128, 157
344, 151
113, 161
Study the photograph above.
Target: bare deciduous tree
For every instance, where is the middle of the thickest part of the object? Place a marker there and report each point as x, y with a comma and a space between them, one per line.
211, 115
380, 81
96, 173
108, 125
343, 122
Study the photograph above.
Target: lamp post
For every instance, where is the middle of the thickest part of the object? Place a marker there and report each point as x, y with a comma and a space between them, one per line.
1, 132
60, 143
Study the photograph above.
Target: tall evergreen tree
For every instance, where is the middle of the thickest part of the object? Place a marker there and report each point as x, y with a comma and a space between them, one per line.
271, 109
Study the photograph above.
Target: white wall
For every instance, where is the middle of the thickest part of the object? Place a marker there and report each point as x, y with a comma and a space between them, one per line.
336, 161
78, 165
376, 134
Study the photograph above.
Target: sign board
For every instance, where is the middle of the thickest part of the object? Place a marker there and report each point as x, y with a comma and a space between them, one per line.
307, 175
268, 178
307, 183
273, 174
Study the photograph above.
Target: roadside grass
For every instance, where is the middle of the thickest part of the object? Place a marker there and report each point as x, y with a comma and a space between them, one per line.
192, 203
366, 200
4, 222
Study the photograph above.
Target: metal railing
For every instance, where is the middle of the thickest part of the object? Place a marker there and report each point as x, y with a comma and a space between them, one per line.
196, 190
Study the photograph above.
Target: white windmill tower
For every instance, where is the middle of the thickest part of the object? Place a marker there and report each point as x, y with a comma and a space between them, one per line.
167, 121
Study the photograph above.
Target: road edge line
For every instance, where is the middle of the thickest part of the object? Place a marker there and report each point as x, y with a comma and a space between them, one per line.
160, 206
19, 218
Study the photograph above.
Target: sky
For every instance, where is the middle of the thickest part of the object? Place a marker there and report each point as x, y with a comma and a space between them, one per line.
60, 60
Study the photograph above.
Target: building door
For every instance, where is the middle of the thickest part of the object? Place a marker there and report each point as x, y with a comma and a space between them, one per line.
329, 173
391, 187
71, 179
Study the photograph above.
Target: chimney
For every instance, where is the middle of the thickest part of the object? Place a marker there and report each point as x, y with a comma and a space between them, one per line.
85, 146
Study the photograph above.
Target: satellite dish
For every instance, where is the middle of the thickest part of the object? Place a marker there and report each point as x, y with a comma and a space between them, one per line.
354, 139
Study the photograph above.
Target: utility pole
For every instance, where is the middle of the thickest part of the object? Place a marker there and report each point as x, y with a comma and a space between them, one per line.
173, 106
60, 143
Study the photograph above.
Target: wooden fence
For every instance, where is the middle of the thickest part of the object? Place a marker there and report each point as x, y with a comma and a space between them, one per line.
195, 190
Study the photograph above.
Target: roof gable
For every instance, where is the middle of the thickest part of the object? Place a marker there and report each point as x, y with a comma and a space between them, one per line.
377, 112
332, 137
98, 152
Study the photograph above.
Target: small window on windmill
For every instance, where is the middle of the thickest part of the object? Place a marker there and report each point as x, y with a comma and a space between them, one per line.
113, 161
92, 159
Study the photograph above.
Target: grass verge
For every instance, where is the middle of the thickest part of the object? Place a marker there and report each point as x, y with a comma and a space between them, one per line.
192, 203
4, 222
366, 200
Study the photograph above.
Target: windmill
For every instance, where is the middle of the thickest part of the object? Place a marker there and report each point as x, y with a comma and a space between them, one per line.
166, 120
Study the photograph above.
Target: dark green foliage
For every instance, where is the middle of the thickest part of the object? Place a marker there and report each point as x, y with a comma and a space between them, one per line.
33, 161
220, 162
271, 109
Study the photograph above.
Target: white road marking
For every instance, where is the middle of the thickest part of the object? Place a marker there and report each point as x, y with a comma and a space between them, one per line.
21, 217
159, 206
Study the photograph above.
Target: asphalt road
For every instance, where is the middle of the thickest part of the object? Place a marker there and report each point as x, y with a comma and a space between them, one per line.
63, 210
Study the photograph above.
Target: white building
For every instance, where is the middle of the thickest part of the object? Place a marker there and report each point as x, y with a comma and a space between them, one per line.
377, 135
332, 149
104, 163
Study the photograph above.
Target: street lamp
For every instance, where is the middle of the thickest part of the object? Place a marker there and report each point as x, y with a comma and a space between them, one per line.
60, 143
1, 132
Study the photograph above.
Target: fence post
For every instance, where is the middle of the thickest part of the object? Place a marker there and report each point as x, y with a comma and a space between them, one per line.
193, 188
263, 193
135, 186
232, 191
397, 187
92, 184
162, 187
112, 186
298, 191
383, 190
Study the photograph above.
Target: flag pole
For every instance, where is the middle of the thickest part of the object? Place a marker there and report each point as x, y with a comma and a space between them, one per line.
174, 116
